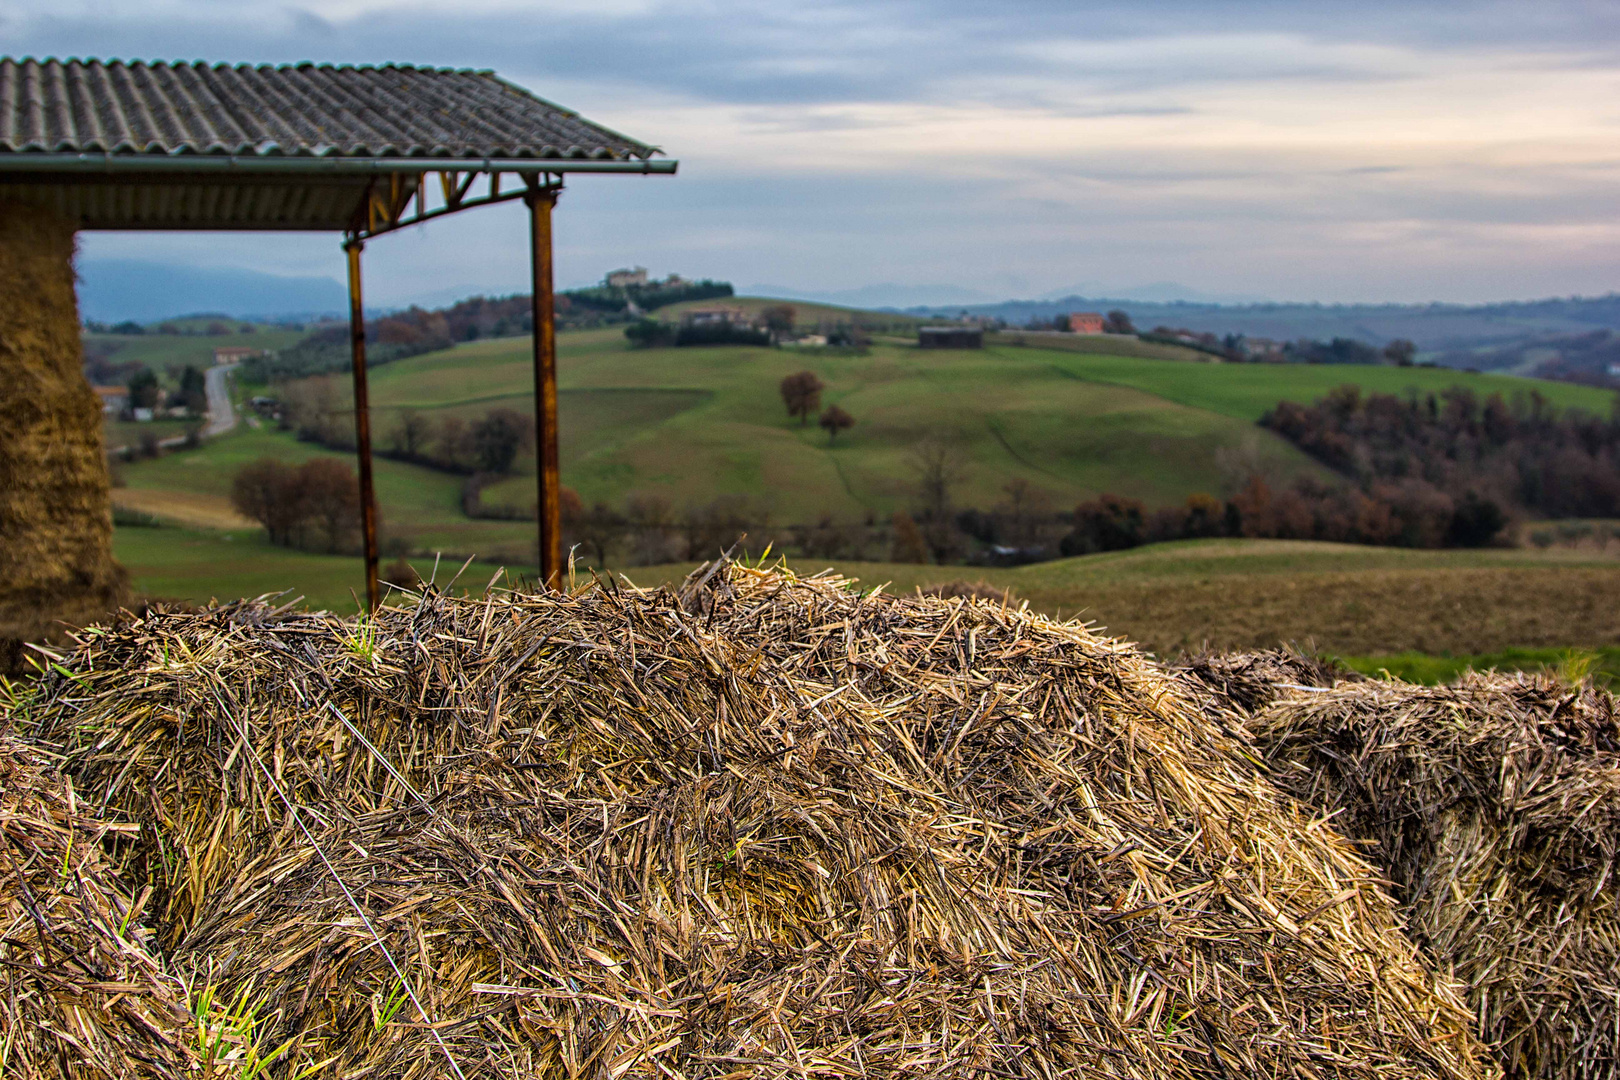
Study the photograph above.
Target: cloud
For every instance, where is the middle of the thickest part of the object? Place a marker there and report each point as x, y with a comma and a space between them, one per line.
1370, 149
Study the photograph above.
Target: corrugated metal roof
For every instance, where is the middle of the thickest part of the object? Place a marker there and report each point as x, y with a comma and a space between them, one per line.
316, 110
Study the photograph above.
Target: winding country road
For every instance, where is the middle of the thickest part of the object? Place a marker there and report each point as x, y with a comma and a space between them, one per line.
221, 414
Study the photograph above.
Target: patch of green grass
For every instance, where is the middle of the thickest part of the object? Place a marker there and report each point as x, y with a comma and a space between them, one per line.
1246, 391
197, 565
1602, 664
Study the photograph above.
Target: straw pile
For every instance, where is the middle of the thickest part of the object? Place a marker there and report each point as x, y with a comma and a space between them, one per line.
1246, 681
81, 993
768, 827
1495, 806
55, 511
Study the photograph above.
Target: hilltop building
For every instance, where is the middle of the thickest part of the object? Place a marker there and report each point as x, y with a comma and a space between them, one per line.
626, 279
1086, 322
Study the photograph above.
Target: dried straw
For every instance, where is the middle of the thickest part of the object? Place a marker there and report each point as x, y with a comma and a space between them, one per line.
81, 992
1495, 806
1246, 681
768, 827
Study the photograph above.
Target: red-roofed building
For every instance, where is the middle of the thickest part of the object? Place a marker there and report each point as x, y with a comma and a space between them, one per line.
1086, 322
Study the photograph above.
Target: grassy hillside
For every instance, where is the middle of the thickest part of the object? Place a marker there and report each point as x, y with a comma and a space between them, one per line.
697, 422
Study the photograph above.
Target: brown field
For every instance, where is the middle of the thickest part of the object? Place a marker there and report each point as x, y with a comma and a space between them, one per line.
195, 508
1334, 598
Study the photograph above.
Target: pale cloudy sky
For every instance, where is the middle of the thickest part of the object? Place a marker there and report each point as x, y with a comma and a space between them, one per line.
1374, 150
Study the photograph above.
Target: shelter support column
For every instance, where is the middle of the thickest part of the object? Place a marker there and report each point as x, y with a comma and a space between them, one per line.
541, 200
362, 420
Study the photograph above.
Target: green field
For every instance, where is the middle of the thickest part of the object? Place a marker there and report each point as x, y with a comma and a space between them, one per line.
158, 351
695, 423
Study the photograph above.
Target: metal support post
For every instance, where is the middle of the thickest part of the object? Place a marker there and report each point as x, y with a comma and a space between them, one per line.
362, 420
540, 201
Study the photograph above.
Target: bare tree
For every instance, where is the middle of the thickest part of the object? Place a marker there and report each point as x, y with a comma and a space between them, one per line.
650, 517
411, 433
801, 393
778, 319
330, 493
1118, 322
939, 467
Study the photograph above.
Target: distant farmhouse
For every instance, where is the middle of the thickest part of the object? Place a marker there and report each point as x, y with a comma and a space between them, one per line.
950, 337
114, 399
234, 354
1086, 322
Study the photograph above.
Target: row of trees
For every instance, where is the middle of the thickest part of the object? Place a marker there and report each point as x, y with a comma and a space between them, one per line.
320, 410
1520, 453
314, 506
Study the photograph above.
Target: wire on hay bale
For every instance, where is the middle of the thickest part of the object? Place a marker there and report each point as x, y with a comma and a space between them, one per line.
767, 827
81, 992
1494, 804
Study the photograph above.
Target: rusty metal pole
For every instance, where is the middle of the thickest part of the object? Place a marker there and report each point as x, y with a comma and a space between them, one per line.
362, 419
540, 201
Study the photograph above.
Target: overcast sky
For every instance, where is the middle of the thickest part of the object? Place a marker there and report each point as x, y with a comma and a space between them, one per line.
1413, 150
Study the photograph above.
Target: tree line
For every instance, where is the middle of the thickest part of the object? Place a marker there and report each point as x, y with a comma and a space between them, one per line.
1520, 452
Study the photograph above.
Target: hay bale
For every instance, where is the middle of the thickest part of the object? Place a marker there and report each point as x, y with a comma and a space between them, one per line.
81, 992
56, 559
769, 827
1494, 804
1246, 681
979, 590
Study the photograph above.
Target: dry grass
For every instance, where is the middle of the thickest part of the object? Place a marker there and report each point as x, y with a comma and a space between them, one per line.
1462, 610
193, 508
82, 992
55, 519
1495, 806
768, 827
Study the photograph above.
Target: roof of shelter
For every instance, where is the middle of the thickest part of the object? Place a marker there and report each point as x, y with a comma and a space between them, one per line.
116, 145
320, 110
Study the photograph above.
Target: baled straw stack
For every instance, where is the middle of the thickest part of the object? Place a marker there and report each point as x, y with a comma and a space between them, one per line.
770, 828
1245, 681
1495, 806
81, 993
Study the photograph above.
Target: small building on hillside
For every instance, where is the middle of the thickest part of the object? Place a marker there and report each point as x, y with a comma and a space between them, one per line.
114, 399
1086, 322
625, 279
950, 337
234, 354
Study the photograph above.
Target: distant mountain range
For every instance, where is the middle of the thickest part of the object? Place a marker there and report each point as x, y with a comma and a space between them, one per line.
112, 290
891, 295
1452, 329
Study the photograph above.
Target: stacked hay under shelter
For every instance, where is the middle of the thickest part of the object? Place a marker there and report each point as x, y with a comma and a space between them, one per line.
81, 992
56, 559
1495, 806
768, 827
